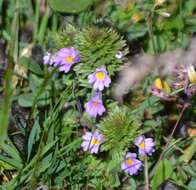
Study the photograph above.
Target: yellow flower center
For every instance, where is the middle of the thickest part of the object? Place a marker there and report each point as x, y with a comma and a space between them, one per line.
100, 75
95, 104
129, 162
142, 145
69, 59
94, 141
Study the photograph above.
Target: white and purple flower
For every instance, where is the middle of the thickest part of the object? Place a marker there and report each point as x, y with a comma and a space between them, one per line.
119, 55
95, 106
48, 59
65, 58
92, 141
99, 78
145, 145
131, 164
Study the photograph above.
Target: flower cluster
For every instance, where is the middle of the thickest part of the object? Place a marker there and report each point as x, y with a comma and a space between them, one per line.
131, 164
94, 107
184, 77
161, 89
99, 79
64, 59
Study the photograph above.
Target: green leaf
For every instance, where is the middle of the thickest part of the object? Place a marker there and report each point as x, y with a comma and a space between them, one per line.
48, 147
190, 151
12, 162
25, 100
163, 172
31, 65
33, 137
67, 6
192, 184
11, 151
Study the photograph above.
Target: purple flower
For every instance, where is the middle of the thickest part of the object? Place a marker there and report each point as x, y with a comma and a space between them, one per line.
161, 94
48, 58
145, 145
92, 141
95, 106
65, 58
131, 165
99, 78
191, 91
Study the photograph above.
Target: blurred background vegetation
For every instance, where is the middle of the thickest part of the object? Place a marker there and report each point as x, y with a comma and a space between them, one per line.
41, 114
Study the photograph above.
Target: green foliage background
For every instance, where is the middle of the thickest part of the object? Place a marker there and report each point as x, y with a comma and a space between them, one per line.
50, 115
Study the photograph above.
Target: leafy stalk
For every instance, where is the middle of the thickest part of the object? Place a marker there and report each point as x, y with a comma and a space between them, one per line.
8, 90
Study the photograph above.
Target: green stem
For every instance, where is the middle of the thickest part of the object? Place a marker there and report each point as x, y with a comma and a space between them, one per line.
43, 26
7, 88
146, 172
36, 22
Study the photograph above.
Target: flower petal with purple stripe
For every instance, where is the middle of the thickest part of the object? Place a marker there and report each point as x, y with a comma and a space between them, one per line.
65, 58
95, 106
131, 164
145, 145
92, 141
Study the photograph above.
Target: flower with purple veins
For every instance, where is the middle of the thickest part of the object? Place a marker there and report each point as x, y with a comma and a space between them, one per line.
145, 145
131, 165
92, 141
95, 106
65, 58
99, 78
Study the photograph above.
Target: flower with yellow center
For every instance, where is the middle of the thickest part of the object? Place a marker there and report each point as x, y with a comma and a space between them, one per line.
145, 145
92, 141
100, 75
142, 145
95, 107
100, 78
95, 141
69, 59
129, 162
95, 104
